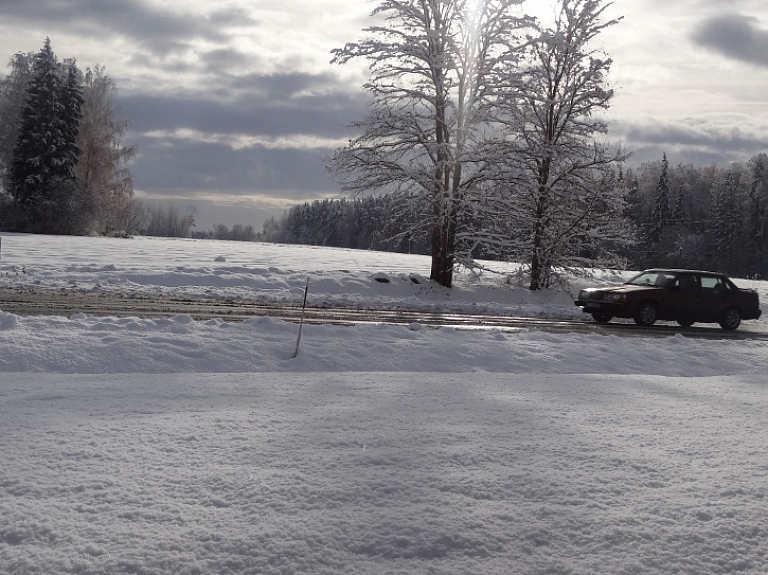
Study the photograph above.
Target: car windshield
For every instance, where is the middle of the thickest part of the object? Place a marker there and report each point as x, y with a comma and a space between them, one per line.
653, 278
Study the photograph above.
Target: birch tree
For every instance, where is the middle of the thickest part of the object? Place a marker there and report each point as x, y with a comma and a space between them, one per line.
431, 67
102, 170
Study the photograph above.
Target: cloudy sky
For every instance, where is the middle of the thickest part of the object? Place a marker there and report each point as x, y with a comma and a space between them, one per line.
233, 103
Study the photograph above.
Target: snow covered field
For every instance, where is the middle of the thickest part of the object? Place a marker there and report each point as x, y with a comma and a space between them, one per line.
154, 446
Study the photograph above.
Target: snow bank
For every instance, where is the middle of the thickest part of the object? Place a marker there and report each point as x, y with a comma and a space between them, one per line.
87, 344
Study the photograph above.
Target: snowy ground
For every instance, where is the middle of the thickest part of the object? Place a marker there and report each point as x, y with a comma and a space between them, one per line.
173, 446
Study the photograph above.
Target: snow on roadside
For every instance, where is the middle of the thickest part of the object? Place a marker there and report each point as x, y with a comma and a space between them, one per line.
88, 344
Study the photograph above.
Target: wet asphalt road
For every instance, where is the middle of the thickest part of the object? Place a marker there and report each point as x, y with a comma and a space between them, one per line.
32, 301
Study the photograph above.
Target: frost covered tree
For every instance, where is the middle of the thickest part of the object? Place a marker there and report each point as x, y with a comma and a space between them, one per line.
677, 213
92, 187
432, 67
727, 220
562, 180
757, 216
71, 95
720, 219
13, 93
102, 168
42, 179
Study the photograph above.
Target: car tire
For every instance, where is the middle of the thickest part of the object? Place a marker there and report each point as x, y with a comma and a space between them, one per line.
646, 314
601, 317
685, 322
731, 319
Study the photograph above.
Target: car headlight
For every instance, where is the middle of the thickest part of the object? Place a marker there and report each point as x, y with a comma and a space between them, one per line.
619, 297
584, 294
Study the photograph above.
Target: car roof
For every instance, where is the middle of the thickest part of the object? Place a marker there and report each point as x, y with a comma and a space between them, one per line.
674, 270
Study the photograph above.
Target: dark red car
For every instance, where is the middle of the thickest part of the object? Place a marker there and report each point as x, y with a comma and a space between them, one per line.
684, 296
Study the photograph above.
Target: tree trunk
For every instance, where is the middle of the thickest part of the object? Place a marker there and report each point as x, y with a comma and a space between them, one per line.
537, 264
442, 269
443, 240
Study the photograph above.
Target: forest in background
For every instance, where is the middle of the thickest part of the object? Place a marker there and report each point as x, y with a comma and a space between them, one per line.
681, 216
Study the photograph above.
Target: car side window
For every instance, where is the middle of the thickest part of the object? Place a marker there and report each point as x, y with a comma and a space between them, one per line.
712, 285
665, 280
687, 283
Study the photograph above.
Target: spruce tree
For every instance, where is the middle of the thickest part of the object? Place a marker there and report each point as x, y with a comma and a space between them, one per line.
13, 93
727, 220
42, 179
71, 95
756, 216
661, 210
677, 214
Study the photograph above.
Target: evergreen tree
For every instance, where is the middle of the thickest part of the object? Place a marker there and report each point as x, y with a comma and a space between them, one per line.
632, 207
42, 177
677, 214
40, 133
727, 220
72, 100
661, 210
757, 230
13, 93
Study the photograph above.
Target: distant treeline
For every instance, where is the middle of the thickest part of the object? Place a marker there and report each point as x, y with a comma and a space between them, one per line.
238, 233
710, 218
369, 223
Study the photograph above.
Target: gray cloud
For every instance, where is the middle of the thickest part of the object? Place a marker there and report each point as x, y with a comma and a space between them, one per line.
734, 36
687, 143
225, 59
216, 168
271, 105
156, 28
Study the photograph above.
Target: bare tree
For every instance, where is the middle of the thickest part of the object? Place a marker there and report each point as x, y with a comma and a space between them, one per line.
102, 169
432, 63
563, 195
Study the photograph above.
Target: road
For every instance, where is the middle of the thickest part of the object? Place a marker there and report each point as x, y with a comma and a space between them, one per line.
33, 301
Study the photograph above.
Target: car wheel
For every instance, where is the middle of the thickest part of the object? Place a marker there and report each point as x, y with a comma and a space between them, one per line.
685, 322
646, 314
601, 317
731, 319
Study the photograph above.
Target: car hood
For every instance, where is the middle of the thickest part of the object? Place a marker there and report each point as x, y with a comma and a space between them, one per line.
624, 288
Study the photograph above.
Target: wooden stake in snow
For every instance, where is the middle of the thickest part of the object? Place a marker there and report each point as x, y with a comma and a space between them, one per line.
301, 323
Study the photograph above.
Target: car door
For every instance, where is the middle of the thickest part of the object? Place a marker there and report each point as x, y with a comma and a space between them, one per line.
682, 298
715, 298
